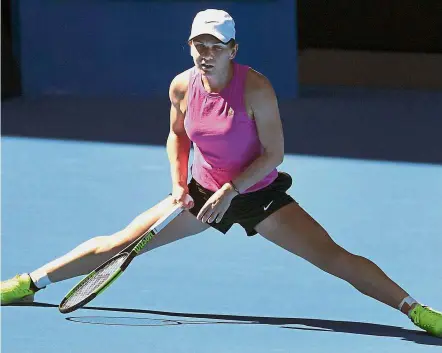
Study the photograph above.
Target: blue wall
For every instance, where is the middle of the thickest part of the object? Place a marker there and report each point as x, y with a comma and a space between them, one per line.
92, 48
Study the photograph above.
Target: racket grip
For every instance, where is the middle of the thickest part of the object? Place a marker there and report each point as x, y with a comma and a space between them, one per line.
167, 218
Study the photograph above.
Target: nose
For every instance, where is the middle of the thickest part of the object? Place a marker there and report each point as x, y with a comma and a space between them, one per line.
207, 56
207, 53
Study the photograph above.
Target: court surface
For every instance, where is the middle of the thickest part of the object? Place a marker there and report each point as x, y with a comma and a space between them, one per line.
215, 293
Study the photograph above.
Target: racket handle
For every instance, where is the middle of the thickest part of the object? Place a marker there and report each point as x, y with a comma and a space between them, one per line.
167, 218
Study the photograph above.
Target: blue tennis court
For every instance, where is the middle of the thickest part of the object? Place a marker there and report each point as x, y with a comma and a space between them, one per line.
212, 292
86, 94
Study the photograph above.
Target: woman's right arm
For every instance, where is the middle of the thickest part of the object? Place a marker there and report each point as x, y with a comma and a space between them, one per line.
178, 143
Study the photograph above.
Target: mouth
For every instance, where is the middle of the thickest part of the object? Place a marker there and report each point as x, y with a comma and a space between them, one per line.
206, 67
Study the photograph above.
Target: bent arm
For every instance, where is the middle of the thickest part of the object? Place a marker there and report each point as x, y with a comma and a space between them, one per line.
178, 143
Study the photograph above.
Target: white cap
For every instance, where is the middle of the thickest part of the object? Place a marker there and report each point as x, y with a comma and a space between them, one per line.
218, 23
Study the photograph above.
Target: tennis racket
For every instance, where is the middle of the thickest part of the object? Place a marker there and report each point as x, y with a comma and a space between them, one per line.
104, 275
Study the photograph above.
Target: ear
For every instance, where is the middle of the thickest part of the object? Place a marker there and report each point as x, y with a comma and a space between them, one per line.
234, 51
190, 46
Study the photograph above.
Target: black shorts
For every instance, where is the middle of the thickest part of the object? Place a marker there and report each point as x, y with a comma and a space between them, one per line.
246, 209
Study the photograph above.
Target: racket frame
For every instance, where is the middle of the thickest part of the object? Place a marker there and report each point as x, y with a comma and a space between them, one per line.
131, 251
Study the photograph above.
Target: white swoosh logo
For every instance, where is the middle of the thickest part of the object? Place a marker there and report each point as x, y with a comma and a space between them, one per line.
266, 207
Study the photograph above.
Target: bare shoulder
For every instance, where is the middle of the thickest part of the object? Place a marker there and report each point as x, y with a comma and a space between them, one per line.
256, 83
258, 92
178, 87
258, 88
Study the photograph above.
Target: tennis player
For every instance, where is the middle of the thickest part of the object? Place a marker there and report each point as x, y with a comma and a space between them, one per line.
230, 113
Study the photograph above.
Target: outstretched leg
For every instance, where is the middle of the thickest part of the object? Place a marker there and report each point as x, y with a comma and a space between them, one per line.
93, 252
296, 231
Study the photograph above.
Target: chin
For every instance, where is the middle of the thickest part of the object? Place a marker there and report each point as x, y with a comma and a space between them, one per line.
206, 72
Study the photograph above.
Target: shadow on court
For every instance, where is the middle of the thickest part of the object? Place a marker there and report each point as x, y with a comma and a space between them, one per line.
358, 328
349, 123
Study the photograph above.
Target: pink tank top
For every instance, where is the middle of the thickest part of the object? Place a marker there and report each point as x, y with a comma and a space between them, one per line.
225, 139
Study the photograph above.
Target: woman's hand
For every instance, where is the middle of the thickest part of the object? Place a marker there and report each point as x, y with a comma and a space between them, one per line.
217, 205
180, 194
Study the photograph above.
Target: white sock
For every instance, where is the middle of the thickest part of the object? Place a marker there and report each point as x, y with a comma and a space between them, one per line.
410, 301
40, 278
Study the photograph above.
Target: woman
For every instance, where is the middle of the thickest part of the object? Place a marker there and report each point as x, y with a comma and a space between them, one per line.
230, 113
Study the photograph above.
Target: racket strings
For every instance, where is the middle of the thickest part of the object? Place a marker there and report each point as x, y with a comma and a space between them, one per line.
92, 283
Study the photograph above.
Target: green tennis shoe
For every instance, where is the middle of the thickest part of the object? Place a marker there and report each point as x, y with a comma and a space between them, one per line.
17, 289
427, 319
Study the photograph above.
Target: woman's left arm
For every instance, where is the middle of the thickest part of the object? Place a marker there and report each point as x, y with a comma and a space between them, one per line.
261, 99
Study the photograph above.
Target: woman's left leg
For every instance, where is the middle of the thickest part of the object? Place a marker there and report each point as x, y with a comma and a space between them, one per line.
296, 231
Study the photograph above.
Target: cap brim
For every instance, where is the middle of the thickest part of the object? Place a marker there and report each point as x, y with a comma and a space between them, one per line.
216, 34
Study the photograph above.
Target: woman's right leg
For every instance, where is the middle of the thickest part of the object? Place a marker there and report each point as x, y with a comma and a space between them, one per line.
92, 253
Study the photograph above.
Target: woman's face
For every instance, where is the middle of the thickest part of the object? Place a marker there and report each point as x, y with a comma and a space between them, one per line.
210, 55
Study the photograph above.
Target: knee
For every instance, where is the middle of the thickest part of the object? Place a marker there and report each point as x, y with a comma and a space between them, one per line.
347, 264
338, 262
106, 244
